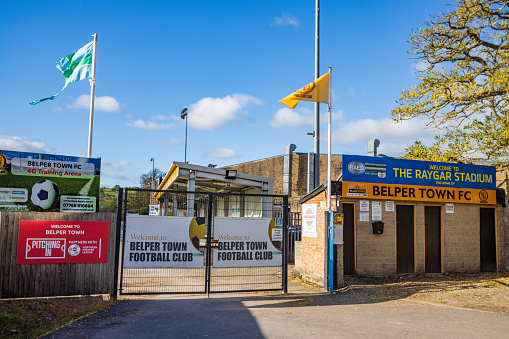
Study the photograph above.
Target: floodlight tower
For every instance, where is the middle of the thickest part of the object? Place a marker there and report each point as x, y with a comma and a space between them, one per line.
183, 115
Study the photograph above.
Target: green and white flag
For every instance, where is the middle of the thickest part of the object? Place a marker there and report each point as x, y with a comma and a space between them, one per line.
74, 67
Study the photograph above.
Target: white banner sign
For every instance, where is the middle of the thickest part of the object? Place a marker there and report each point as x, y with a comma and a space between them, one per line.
77, 203
55, 168
153, 210
246, 242
376, 212
309, 220
160, 242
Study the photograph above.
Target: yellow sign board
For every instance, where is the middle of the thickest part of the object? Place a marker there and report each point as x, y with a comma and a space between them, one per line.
366, 190
338, 219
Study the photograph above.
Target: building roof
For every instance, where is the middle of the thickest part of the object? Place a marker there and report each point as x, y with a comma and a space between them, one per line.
313, 193
208, 179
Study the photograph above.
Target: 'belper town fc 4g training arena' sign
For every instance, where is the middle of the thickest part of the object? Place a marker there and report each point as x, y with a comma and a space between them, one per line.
399, 179
48, 182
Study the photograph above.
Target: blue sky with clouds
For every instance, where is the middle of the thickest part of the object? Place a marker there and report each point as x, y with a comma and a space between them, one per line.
229, 62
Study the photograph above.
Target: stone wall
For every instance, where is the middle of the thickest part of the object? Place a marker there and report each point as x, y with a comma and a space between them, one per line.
376, 253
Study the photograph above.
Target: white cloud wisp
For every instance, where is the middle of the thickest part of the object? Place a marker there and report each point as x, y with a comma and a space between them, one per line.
286, 20
212, 113
20, 144
104, 103
221, 153
150, 125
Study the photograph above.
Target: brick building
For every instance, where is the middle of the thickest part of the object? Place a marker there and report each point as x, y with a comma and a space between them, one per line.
433, 230
273, 167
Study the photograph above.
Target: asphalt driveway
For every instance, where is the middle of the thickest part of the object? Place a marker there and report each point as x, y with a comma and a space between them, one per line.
304, 313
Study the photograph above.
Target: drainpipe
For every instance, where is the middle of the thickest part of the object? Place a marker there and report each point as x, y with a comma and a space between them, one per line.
287, 170
373, 147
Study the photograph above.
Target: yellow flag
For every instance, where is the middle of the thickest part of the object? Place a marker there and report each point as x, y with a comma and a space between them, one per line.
317, 91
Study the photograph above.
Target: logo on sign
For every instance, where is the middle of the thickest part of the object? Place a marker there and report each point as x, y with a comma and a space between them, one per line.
74, 250
309, 216
483, 196
50, 248
356, 168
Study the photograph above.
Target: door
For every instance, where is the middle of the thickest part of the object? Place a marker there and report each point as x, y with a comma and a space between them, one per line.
488, 240
405, 239
432, 239
348, 239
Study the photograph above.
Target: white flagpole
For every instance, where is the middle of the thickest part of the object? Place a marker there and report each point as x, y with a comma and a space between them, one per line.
329, 144
92, 96
317, 104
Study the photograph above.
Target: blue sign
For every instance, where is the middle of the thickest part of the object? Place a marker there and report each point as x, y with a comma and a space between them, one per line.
357, 168
48, 182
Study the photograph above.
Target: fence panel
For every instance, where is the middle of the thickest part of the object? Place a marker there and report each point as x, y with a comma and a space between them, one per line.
42, 280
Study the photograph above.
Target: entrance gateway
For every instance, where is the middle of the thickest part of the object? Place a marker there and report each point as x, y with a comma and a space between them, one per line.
220, 243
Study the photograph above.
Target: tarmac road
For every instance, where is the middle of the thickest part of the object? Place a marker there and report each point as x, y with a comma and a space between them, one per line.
305, 313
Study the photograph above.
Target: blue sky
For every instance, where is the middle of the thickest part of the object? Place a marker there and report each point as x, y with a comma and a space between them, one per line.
229, 62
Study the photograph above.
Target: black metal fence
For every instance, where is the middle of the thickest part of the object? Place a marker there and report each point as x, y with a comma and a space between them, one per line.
294, 233
205, 209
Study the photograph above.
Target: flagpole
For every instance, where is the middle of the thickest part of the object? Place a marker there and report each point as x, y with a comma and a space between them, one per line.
317, 104
330, 213
92, 96
329, 144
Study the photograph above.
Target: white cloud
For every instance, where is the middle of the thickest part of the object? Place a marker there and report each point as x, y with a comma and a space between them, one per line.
286, 20
173, 141
20, 144
301, 118
366, 129
115, 164
336, 115
420, 66
222, 153
150, 125
166, 117
287, 117
116, 176
104, 103
212, 113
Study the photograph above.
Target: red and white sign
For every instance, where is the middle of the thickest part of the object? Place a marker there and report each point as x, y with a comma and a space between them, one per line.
309, 220
72, 242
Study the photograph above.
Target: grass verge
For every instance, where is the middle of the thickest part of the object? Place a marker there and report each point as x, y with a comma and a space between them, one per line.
31, 318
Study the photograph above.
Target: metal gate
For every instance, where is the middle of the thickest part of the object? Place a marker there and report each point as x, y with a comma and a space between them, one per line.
220, 252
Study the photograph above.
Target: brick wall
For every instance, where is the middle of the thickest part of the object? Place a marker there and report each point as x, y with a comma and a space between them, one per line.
461, 239
311, 264
376, 254
312, 249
